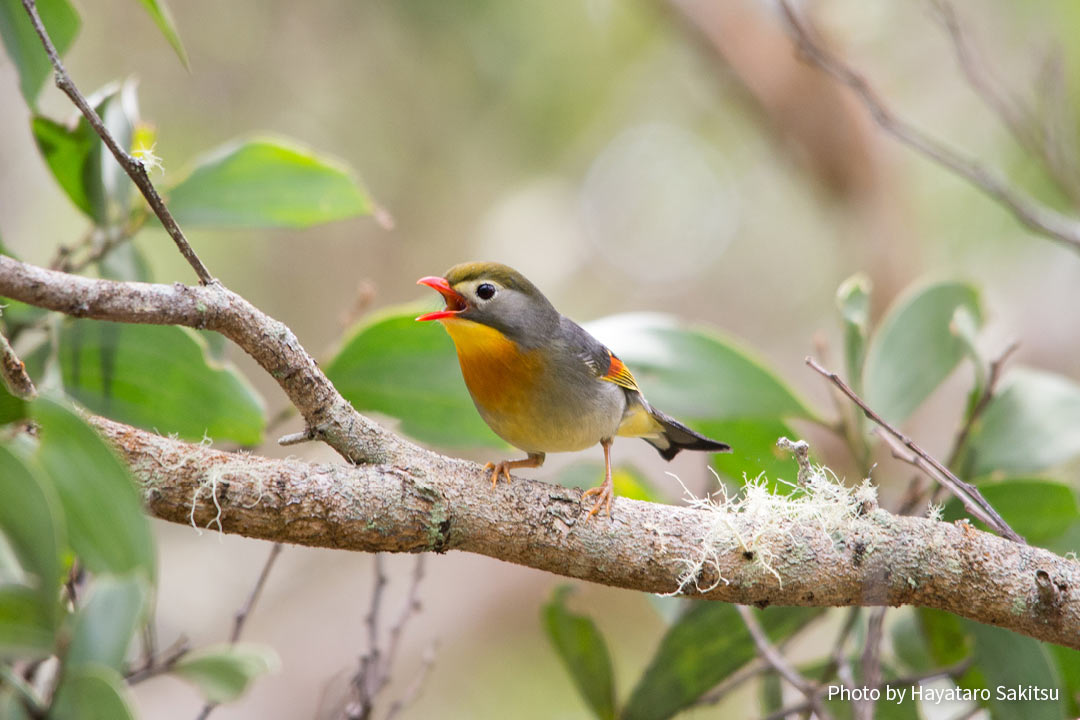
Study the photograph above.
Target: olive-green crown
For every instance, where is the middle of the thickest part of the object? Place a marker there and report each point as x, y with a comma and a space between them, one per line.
506, 276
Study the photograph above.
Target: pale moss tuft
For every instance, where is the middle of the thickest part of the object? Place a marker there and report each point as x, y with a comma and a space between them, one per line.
756, 519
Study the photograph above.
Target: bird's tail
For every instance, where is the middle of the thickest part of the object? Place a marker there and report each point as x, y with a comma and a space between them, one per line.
674, 436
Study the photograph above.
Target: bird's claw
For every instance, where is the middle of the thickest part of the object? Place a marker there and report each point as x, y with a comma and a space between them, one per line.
603, 501
502, 468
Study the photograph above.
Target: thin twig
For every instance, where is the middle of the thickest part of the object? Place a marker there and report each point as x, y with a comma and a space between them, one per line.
779, 663
838, 656
133, 167
417, 685
31, 700
366, 682
241, 617
871, 662
242, 614
973, 500
1020, 119
952, 671
411, 606
1030, 213
159, 664
735, 680
992, 380
13, 371
800, 708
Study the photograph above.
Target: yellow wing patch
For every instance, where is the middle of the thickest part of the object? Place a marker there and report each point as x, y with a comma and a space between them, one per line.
619, 374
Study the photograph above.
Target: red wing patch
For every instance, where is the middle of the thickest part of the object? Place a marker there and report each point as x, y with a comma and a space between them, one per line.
618, 374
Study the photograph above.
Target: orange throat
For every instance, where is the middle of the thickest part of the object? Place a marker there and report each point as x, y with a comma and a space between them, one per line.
499, 374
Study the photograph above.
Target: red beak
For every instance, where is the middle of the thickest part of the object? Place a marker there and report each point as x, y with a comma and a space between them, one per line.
455, 302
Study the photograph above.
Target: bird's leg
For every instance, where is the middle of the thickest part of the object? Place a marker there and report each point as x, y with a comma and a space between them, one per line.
603, 492
503, 468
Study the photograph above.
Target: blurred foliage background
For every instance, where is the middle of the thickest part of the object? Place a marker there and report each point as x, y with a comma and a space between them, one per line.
626, 156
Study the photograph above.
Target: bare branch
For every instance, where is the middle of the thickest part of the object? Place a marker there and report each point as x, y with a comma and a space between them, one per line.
871, 662
13, 370
135, 169
214, 307
242, 614
416, 686
240, 619
1029, 212
408, 609
973, 500
375, 664
1029, 131
434, 503
779, 663
158, 664
992, 380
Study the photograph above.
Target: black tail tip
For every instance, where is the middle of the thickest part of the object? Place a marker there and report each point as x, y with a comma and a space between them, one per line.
704, 445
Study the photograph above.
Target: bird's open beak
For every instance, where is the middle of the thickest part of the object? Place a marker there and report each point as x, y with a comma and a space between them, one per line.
455, 302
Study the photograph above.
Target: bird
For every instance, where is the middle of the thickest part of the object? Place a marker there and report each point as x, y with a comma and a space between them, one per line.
540, 381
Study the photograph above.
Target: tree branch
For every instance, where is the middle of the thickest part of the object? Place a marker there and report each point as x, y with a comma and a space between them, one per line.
967, 493
426, 502
1030, 213
134, 168
273, 345
13, 372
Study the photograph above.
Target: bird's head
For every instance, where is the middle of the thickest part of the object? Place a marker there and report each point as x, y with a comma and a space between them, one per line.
494, 295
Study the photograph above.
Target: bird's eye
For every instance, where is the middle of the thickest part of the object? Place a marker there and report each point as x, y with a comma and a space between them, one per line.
486, 291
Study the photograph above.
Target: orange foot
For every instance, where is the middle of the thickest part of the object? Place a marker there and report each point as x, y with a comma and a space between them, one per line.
604, 495
604, 490
504, 467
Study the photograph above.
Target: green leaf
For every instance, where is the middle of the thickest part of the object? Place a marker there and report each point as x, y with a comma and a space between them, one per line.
105, 625
583, 651
12, 706
853, 301
11, 408
224, 672
105, 522
158, 378
24, 47
162, 17
79, 160
754, 450
27, 623
119, 111
1006, 660
92, 692
1039, 510
393, 365
771, 693
702, 648
908, 642
67, 152
15, 315
1068, 666
1032, 423
29, 520
265, 182
127, 262
695, 374
1000, 660
915, 348
945, 637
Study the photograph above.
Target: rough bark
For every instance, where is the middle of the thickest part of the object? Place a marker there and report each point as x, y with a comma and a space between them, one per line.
271, 343
428, 502
414, 500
